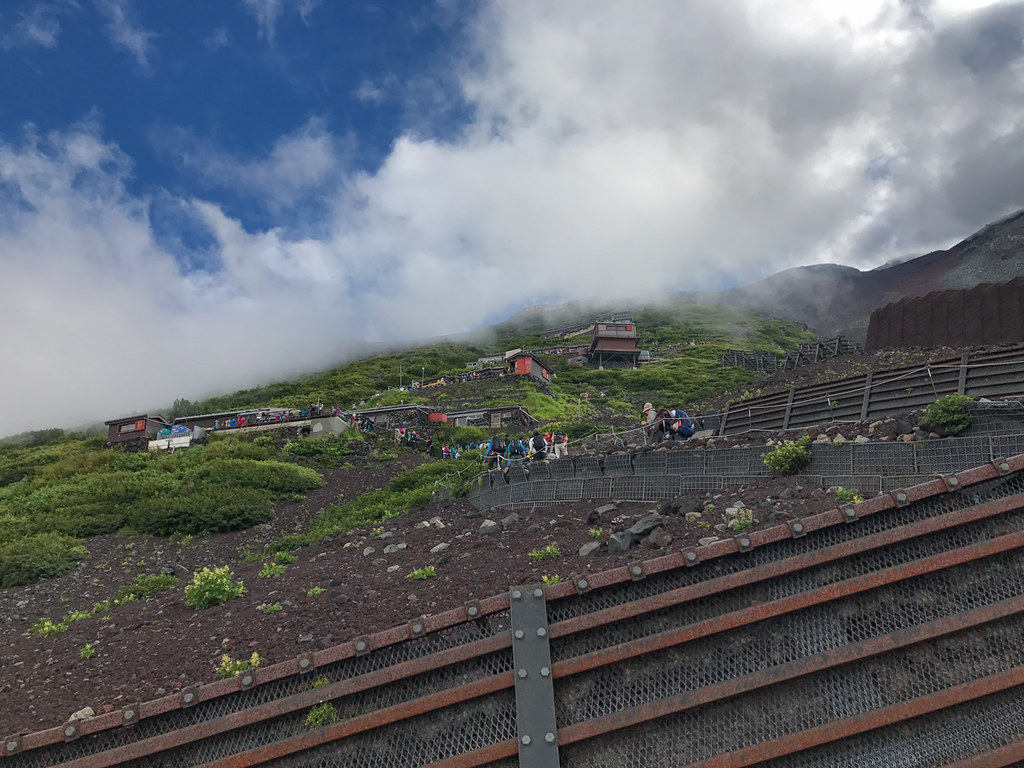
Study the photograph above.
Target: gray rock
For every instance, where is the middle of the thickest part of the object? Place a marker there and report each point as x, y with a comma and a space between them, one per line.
861, 439
731, 512
692, 517
390, 549
708, 540
439, 548
590, 548
703, 434
509, 522
422, 524
379, 561
305, 638
646, 524
840, 440
435, 522
393, 568
489, 528
368, 551
83, 714
619, 542
606, 509
386, 535
875, 425
659, 538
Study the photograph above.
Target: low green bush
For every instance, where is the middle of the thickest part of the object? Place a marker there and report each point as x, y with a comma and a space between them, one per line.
321, 715
144, 586
38, 556
212, 586
948, 415
789, 458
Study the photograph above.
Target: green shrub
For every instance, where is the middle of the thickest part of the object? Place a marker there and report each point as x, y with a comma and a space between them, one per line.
422, 573
212, 587
144, 586
270, 570
789, 458
545, 553
284, 558
271, 608
321, 715
849, 494
86, 651
38, 556
948, 415
202, 510
315, 591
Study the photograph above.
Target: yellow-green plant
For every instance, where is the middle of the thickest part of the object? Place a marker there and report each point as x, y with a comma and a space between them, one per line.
231, 667
789, 458
321, 715
212, 586
553, 579
422, 573
545, 553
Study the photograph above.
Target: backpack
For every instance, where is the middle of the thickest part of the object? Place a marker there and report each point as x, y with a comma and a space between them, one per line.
538, 443
559, 438
515, 448
498, 445
684, 425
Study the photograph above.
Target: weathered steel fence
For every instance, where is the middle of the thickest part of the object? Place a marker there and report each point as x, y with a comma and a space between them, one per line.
995, 374
805, 354
652, 476
881, 634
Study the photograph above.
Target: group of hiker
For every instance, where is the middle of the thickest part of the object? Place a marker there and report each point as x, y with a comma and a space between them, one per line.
667, 424
504, 451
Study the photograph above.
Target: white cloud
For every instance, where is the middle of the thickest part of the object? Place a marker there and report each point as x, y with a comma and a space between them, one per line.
267, 13
612, 150
299, 163
40, 26
217, 39
124, 33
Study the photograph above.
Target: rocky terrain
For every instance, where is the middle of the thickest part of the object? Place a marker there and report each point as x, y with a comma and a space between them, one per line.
348, 586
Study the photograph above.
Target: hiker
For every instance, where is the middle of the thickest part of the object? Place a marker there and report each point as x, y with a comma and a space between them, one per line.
538, 446
514, 450
495, 449
560, 445
655, 423
682, 425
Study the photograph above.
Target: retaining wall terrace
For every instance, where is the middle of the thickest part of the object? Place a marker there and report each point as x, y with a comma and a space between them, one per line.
885, 633
666, 474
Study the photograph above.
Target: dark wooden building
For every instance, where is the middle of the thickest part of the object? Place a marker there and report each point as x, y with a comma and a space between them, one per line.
615, 345
144, 427
525, 364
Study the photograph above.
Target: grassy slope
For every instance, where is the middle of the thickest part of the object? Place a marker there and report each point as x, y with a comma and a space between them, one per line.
57, 490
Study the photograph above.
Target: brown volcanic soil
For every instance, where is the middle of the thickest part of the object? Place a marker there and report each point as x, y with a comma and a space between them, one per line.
156, 646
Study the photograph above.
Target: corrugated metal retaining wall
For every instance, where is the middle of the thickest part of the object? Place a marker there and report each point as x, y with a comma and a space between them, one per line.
995, 374
881, 634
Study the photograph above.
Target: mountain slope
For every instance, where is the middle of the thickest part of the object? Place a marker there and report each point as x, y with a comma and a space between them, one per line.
836, 300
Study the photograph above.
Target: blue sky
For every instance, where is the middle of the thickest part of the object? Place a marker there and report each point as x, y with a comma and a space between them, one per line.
202, 196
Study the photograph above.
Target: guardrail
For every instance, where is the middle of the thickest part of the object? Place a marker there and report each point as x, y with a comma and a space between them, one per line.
884, 633
878, 395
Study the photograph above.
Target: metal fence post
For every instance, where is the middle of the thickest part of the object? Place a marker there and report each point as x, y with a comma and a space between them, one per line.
961, 386
865, 406
535, 692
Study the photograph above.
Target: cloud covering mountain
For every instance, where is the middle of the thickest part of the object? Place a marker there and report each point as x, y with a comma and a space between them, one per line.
510, 154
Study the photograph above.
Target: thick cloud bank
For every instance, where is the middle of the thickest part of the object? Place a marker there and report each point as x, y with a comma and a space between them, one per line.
611, 149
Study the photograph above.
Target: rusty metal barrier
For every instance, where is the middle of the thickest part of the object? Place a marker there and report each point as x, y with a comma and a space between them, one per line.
765, 645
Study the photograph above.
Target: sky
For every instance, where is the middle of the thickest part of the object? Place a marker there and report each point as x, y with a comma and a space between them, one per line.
198, 196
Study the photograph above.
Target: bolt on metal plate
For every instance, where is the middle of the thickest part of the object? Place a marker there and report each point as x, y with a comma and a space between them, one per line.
534, 689
1002, 465
70, 731
305, 663
901, 497
636, 572
473, 609
362, 645
130, 714
952, 482
12, 744
849, 514
797, 529
690, 558
190, 696
417, 627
